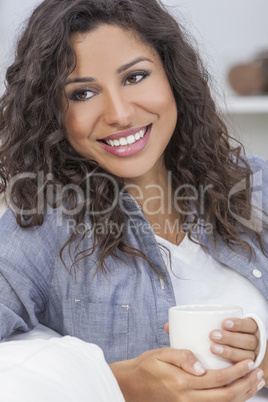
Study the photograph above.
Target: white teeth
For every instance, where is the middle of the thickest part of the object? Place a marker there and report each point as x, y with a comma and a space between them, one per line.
123, 141
142, 132
131, 139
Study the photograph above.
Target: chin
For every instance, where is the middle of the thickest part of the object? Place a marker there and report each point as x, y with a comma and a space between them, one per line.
134, 173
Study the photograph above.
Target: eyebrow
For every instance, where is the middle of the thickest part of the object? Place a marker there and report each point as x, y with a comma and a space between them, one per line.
118, 71
132, 63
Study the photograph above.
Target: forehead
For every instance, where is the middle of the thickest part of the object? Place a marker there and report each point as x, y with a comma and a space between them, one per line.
110, 44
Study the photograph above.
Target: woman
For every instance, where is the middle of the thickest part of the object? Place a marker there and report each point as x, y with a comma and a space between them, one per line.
111, 144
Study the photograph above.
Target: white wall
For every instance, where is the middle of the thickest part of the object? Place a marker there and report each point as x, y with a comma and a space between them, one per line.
227, 31
12, 16
230, 32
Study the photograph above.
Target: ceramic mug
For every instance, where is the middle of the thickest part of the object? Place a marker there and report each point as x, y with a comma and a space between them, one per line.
190, 325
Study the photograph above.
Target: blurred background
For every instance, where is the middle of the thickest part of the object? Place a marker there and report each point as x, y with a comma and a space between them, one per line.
228, 33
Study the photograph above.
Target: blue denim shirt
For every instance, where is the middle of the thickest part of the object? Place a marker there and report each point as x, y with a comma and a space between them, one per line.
123, 312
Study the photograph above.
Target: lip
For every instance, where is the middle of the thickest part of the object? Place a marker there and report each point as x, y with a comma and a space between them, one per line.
128, 150
125, 134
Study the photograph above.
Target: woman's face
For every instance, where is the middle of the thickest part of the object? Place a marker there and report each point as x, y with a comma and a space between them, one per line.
121, 111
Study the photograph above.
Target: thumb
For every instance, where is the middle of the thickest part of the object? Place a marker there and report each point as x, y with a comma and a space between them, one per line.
166, 328
186, 359
182, 358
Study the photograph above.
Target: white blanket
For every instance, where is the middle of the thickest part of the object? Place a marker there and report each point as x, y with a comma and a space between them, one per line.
43, 366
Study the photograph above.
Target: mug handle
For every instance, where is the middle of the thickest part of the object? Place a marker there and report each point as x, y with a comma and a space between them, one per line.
263, 338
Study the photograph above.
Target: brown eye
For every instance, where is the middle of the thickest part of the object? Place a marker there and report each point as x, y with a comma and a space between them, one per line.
135, 78
82, 95
132, 79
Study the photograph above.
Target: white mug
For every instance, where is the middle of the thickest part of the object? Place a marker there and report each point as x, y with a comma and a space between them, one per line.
190, 325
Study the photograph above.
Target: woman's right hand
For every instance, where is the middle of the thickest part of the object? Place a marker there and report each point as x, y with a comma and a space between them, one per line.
176, 375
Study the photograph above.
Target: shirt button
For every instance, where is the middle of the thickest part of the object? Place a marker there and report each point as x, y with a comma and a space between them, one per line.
257, 273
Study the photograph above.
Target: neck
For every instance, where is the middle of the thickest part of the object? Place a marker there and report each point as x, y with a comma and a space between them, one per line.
153, 192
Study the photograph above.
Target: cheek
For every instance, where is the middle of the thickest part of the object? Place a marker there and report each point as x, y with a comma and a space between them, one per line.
167, 105
166, 98
160, 101
78, 124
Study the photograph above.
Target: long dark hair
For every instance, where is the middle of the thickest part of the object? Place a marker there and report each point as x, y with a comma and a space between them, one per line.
33, 137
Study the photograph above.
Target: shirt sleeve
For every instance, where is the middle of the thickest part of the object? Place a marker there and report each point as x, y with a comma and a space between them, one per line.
26, 266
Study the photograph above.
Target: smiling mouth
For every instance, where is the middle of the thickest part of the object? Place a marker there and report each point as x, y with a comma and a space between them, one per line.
129, 140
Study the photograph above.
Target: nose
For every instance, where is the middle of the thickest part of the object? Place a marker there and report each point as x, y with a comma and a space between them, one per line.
118, 110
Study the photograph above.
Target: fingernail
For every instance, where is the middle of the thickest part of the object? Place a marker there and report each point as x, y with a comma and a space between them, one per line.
218, 349
229, 324
198, 368
260, 385
260, 374
251, 365
216, 335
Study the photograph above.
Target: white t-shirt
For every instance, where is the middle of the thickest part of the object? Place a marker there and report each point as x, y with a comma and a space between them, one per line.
198, 278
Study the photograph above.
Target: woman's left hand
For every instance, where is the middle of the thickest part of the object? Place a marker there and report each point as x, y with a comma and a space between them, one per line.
238, 340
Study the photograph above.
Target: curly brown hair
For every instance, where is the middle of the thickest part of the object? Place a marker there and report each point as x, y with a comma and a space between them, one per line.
33, 136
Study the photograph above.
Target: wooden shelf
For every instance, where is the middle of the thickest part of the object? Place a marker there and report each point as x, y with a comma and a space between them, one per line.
245, 105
